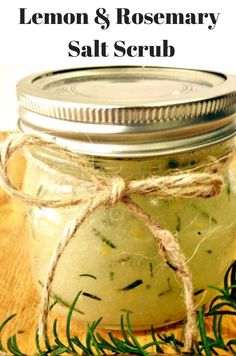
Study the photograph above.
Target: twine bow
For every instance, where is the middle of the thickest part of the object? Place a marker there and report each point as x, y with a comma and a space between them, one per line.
107, 191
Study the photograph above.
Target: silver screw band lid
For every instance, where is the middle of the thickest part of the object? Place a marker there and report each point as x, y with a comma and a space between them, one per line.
129, 111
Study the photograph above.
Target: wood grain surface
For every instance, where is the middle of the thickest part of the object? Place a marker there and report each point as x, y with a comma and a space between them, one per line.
17, 292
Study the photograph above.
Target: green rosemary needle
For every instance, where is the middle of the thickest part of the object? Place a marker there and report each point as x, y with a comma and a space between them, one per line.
95, 344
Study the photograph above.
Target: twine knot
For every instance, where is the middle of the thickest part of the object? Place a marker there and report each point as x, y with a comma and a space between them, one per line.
118, 189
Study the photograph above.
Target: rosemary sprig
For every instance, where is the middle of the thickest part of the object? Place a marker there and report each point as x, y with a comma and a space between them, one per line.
95, 344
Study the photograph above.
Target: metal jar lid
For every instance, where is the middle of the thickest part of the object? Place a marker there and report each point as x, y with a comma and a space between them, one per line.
129, 111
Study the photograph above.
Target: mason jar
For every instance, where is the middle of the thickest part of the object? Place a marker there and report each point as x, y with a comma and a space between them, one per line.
134, 122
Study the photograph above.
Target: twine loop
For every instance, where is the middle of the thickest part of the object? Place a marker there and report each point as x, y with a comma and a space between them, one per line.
108, 191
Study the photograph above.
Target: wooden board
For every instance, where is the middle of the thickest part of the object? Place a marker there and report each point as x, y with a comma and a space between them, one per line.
17, 291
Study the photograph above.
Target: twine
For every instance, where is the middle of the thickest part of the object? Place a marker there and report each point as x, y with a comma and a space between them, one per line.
107, 191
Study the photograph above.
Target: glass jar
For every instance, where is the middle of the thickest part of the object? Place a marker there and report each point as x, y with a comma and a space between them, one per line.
135, 122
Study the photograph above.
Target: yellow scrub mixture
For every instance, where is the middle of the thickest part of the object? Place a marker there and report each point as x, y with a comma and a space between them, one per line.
114, 259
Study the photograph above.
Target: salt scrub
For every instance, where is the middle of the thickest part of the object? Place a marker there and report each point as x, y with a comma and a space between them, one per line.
113, 259
132, 122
